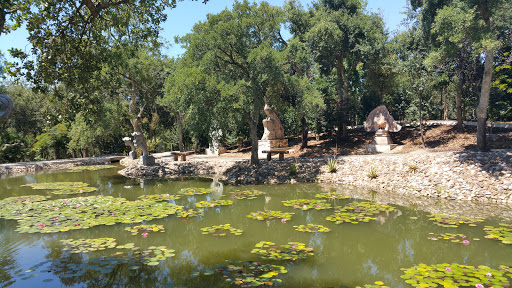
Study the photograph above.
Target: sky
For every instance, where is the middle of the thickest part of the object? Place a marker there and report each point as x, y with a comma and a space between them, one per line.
181, 19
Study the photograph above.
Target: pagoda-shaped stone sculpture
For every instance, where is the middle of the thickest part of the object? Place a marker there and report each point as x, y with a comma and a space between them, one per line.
273, 132
381, 122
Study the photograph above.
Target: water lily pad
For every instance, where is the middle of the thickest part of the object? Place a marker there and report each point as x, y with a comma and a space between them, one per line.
269, 215
63, 188
455, 238
357, 212
195, 191
245, 273
221, 230
159, 197
502, 233
291, 251
313, 228
90, 168
454, 275
189, 213
145, 229
332, 196
444, 220
83, 212
306, 204
246, 194
88, 245
214, 203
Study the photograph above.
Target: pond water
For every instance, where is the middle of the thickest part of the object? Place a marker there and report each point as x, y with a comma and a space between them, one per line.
349, 255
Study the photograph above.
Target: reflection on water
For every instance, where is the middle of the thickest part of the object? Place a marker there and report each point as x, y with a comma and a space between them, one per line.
349, 255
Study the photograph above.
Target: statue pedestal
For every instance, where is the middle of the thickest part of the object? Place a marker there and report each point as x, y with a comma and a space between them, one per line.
147, 160
268, 144
381, 142
212, 150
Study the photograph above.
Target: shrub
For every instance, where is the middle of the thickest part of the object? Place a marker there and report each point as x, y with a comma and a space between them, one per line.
373, 173
331, 164
292, 170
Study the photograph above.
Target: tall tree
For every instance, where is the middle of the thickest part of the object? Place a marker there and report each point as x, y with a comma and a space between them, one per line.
242, 48
341, 37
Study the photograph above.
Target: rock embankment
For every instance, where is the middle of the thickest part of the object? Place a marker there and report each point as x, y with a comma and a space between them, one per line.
475, 176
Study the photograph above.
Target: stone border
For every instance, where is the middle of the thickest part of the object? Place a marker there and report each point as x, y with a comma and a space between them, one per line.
470, 176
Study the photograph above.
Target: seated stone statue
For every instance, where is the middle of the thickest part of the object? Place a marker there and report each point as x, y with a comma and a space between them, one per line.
272, 126
380, 119
6, 107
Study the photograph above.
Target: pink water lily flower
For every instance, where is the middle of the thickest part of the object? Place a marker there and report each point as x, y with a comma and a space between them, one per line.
304, 207
465, 242
283, 220
78, 224
448, 269
55, 219
294, 206
293, 247
463, 236
77, 205
145, 234
212, 205
233, 196
318, 207
479, 286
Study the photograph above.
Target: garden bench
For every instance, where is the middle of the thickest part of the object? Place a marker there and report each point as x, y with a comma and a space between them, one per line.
280, 151
182, 154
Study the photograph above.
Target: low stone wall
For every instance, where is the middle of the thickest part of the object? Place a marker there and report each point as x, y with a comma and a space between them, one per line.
473, 176
20, 168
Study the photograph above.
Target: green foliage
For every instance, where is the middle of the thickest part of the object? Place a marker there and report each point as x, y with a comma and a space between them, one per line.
502, 233
332, 195
195, 191
358, 212
214, 203
246, 194
88, 245
455, 238
159, 197
292, 170
412, 167
331, 165
455, 275
51, 144
63, 188
144, 229
63, 215
269, 215
306, 204
313, 228
221, 230
246, 273
291, 251
444, 220
372, 174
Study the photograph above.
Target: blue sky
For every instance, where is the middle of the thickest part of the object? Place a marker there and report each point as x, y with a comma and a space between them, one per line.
181, 20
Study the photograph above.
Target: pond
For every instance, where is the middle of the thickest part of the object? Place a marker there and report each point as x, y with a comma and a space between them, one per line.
184, 252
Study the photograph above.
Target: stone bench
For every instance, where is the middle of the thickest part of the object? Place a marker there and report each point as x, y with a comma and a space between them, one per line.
182, 154
280, 151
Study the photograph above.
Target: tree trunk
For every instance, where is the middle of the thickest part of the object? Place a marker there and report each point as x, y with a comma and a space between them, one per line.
445, 112
420, 108
180, 132
304, 123
341, 102
481, 109
458, 100
253, 126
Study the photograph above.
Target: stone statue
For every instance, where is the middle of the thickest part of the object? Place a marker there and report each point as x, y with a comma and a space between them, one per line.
140, 141
380, 119
273, 129
6, 107
128, 142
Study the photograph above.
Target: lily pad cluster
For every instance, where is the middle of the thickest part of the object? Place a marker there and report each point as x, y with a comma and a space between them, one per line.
291, 251
63, 188
444, 220
358, 212
84, 212
313, 228
455, 275
88, 245
9, 202
376, 284
90, 168
306, 204
246, 194
195, 191
189, 213
269, 215
456, 238
502, 233
246, 273
145, 229
221, 230
159, 197
214, 203
332, 195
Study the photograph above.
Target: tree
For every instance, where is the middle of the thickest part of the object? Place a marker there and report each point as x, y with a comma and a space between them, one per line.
341, 37
242, 49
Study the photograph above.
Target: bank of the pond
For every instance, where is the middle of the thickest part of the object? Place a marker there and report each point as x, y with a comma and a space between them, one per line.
20, 168
474, 176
